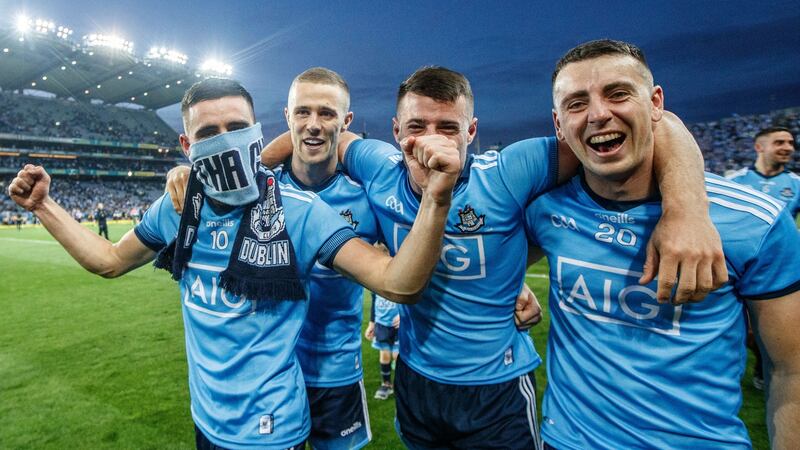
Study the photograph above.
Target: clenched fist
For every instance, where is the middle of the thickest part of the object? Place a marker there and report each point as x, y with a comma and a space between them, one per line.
31, 187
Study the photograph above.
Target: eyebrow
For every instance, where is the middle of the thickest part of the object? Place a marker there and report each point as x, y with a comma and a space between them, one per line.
205, 130
616, 85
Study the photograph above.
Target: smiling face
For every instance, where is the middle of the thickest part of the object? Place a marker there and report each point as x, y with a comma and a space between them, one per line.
775, 149
316, 114
605, 108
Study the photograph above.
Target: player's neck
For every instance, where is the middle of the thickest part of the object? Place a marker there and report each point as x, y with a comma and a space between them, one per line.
767, 169
638, 185
313, 175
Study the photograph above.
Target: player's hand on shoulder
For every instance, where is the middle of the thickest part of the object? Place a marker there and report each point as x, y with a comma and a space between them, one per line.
686, 254
31, 187
527, 311
177, 181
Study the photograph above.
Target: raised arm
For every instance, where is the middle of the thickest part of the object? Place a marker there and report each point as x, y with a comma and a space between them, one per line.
403, 277
685, 247
31, 188
776, 330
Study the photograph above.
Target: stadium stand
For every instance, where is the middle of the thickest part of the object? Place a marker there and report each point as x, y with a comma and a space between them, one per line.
85, 110
727, 144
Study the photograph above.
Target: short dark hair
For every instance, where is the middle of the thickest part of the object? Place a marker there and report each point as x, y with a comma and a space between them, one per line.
597, 48
770, 130
212, 89
439, 83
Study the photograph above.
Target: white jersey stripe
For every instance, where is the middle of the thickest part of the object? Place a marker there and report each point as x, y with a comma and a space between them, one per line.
488, 156
743, 197
529, 392
364, 408
746, 190
302, 198
484, 167
738, 207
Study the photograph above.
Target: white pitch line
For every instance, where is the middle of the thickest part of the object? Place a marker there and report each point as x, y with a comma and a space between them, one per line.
536, 275
28, 241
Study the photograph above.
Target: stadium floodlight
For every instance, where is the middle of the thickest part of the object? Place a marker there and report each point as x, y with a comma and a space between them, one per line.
214, 67
23, 24
167, 54
42, 26
108, 41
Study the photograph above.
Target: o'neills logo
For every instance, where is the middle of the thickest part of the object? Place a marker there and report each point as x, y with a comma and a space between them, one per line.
351, 430
264, 254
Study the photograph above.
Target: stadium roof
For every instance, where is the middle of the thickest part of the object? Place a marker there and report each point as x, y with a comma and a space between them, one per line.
104, 68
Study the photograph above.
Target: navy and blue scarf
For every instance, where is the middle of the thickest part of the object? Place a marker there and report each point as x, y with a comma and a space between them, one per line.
262, 264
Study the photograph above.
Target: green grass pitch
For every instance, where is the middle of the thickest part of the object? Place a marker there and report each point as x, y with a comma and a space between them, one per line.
93, 363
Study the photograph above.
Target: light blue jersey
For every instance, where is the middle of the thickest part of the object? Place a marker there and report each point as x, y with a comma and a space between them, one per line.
245, 382
329, 347
386, 311
624, 371
462, 330
784, 186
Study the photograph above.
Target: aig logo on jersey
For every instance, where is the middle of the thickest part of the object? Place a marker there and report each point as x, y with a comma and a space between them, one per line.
612, 295
462, 257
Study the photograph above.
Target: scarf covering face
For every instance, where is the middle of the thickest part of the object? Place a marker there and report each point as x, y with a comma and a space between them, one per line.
227, 164
262, 265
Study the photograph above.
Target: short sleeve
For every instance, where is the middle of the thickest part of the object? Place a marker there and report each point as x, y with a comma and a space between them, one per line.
159, 224
365, 158
774, 271
529, 168
323, 233
531, 213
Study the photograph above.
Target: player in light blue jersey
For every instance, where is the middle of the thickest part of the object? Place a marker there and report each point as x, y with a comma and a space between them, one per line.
464, 374
384, 320
329, 347
775, 147
244, 255
625, 370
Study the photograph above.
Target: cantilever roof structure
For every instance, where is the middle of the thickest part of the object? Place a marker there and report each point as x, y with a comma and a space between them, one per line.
67, 69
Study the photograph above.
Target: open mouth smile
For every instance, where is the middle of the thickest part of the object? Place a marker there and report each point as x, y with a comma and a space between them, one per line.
606, 143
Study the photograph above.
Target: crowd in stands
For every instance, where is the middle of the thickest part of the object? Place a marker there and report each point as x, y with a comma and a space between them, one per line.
120, 165
53, 117
121, 198
727, 144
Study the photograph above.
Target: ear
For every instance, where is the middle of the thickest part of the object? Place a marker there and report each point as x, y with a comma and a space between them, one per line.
348, 119
557, 126
759, 148
658, 103
185, 144
286, 116
396, 129
472, 130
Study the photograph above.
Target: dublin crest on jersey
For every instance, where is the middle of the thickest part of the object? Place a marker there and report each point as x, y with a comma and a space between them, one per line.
470, 221
348, 216
787, 192
267, 220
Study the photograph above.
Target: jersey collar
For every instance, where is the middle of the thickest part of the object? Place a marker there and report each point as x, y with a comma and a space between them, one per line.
615, 205
287, 167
